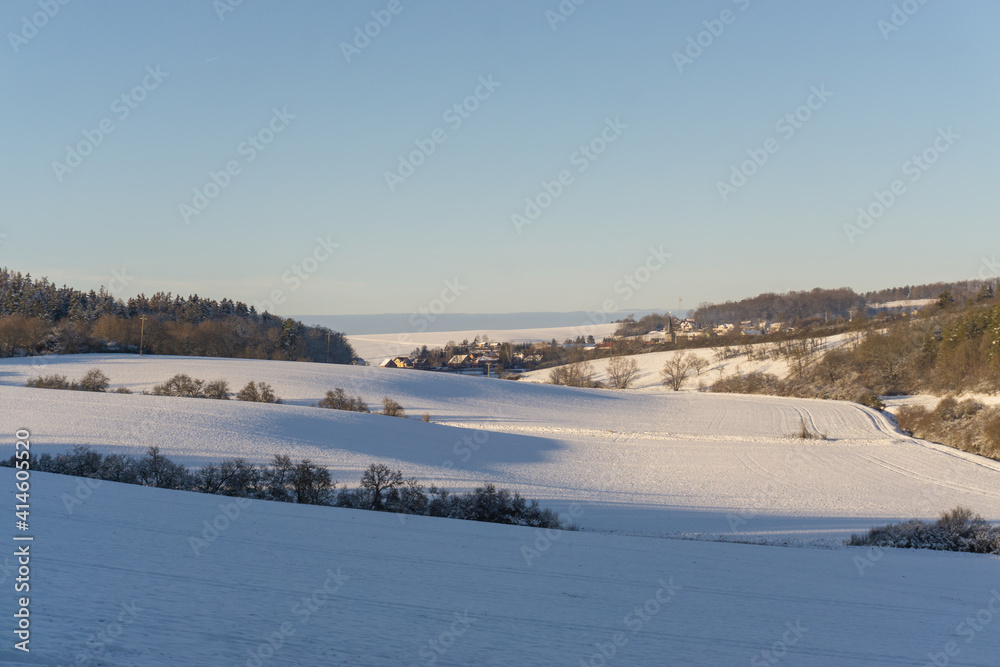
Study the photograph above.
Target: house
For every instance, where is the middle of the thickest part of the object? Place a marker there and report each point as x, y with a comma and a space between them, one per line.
688, 325
656, 337
459, 360
396, 362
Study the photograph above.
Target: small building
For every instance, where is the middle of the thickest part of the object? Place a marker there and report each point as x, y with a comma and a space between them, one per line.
459, 360
397, 362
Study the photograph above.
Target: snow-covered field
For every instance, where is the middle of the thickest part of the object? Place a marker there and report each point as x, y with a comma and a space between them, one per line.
630, 467
118, 582
376, 347
640, 462
652, 363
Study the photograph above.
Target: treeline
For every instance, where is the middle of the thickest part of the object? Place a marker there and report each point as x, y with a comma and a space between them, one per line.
381, 488
36, 317
950, 352
960, 290
791, 307
804, 308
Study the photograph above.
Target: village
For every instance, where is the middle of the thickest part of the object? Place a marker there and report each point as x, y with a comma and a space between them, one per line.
482, 356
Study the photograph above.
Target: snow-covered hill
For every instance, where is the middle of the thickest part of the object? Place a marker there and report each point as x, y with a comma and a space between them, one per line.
140, 576
716, 367
638, 462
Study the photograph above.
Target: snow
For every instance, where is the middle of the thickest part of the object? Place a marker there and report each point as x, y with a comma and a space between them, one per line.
650, 365
375, 347
640, 462
127, 575
118, 581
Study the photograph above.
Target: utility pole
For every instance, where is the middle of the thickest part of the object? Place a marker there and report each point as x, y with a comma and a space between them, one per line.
328, 334
142, 332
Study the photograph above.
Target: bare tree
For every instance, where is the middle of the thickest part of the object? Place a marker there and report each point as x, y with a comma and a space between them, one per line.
391, 408
679, 367
573, 375
622, 371
377, 479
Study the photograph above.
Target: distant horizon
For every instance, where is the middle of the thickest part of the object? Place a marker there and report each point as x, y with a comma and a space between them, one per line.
323, 158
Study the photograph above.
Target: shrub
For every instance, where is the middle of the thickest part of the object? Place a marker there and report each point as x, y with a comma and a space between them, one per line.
181, 385
806, 433
872, 400
339, 400
257, 392
218, 389
391, 408
426, 417
54, 381
185, 386
94, 380
750, 383
958, 529
157, 470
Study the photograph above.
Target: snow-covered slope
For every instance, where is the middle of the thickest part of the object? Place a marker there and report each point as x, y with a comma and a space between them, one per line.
717, 368
119, 581
642, 462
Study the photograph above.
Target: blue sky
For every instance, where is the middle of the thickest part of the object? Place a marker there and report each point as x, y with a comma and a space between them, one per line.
310, 225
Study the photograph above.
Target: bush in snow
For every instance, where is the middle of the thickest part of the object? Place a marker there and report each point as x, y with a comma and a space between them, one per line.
54, 381
338, 400
391, 408
94, 380
257, 392
958, 529
185, 386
